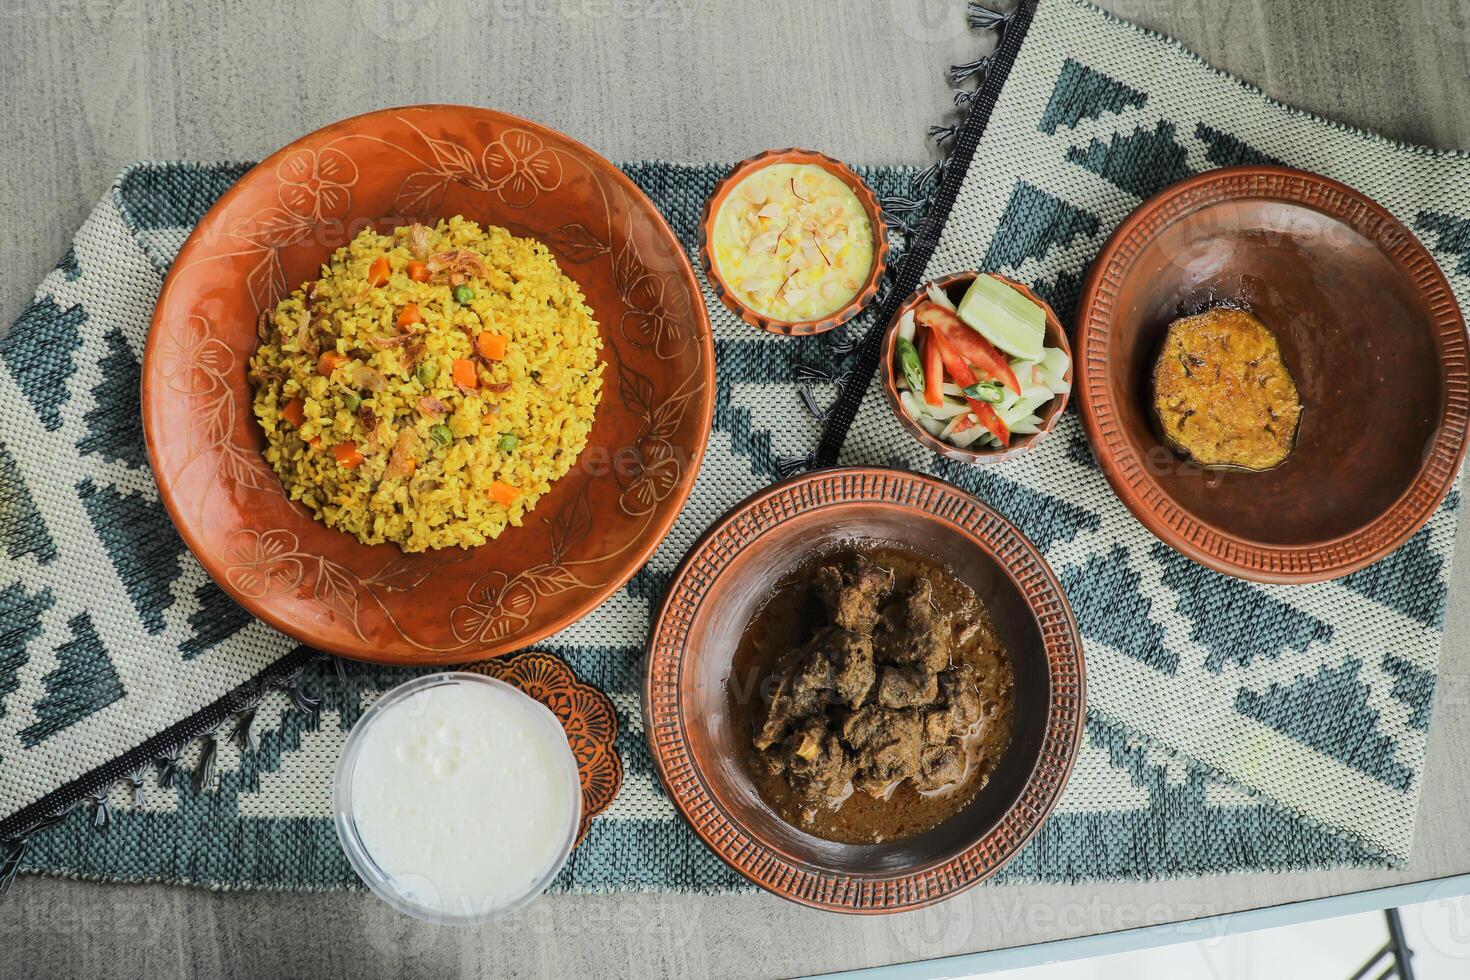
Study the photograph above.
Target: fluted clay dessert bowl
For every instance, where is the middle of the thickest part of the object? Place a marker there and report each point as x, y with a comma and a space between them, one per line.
863, 285
701, 748
1368, 328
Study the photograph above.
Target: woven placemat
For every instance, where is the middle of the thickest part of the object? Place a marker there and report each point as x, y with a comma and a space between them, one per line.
149, 730
1314, 697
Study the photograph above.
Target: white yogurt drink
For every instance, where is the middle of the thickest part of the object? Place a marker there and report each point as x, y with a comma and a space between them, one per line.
457, 797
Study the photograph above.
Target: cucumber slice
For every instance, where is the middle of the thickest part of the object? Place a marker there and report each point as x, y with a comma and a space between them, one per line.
1055, 361
937, 297
919, 412
911, 404
970, 436
950, 409
1053, 368
1004, 317
1022, 408
906, 326
1032, 395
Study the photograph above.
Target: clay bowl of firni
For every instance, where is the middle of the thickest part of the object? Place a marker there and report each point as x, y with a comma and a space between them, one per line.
1367, 327
700, 741
954, 286
728, 284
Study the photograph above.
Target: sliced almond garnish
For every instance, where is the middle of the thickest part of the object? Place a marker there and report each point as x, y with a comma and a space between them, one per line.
753, 193
770, 212
817, 240
782, 235
765, 242
757, 287
786, 282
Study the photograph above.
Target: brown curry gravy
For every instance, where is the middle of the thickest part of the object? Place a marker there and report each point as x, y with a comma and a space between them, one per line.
789, 616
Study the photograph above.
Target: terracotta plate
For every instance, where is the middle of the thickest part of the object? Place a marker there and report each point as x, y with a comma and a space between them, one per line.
1368, 327
702, 758
273, 230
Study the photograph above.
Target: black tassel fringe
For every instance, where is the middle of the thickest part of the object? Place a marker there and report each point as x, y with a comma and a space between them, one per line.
982, 18
958, 74
204, 768
101, 815
166, 767
240, 733
300, 700
943, 134
789, 466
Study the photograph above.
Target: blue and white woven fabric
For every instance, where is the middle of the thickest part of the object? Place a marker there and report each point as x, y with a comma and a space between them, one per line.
150, 730
1315, 698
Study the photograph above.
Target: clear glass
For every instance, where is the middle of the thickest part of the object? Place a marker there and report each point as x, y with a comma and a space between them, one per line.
382, 884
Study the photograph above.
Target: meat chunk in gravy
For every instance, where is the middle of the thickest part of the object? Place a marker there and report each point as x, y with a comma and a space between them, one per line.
875, 696
834, 667
852, 593
914, 631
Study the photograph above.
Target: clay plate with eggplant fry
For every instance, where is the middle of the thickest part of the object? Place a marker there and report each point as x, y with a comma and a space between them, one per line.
1368, 328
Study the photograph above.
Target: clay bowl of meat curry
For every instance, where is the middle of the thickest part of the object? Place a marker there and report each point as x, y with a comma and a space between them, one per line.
1272, 372
864, 690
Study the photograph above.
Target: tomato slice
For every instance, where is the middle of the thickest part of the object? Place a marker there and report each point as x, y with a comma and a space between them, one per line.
969, 345
933, 371
961, 374
991, 421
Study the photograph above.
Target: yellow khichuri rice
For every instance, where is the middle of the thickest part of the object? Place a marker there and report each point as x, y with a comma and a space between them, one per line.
430, 386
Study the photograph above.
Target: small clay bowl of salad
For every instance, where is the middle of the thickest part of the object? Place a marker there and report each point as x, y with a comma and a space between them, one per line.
977, 367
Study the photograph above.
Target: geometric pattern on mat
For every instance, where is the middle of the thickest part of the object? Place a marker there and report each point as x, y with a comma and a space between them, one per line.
1316, 698
263, 820
111, 633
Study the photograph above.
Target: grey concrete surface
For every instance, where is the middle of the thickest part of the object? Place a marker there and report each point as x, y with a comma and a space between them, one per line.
90, 85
